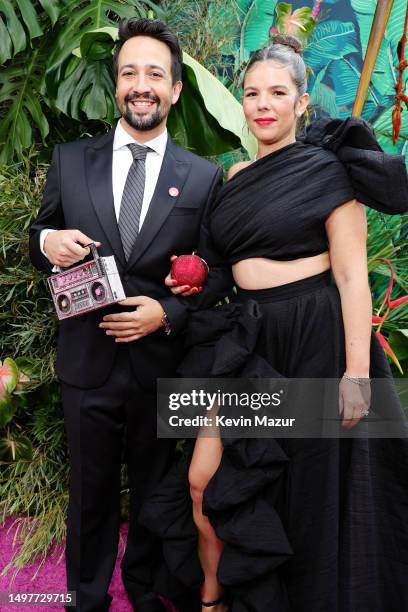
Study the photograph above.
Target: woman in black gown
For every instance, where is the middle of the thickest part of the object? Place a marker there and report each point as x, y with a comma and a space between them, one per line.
299, 525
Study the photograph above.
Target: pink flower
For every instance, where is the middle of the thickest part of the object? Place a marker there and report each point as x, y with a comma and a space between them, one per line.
8, 375
316, 9
388, 350
395, 303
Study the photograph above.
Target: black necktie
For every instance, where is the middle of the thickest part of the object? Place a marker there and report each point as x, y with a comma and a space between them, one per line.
132, 198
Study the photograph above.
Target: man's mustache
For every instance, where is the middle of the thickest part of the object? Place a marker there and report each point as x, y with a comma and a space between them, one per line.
146, 96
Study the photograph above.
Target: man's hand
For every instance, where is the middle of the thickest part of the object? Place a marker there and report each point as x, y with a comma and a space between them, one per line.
129, 326
65, 247
183, 290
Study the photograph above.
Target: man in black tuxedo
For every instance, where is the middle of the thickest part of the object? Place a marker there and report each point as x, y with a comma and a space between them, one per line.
142, 199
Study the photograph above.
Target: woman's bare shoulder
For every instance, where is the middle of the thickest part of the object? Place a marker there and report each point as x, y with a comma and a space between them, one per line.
237, 167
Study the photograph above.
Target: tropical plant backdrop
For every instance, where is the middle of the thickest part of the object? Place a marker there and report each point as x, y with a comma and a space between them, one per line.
56, 85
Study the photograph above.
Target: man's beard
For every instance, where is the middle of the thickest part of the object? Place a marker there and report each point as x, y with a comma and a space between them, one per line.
143, 123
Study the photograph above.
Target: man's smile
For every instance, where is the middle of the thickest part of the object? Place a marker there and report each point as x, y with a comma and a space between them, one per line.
141, 105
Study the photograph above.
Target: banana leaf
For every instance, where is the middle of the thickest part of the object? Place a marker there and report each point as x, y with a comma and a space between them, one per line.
208, 119
77, 21
249, 23
20, 85
331, 40
21, 22
321, 94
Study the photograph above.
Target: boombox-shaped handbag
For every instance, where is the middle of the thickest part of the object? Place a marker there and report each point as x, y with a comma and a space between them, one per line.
89, 286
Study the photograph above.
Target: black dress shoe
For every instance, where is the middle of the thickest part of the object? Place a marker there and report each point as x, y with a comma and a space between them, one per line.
147, 603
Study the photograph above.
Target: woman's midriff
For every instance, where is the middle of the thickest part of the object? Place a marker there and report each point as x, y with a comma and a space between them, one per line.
262, 273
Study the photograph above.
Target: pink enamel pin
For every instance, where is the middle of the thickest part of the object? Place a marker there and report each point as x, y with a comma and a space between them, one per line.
173, 191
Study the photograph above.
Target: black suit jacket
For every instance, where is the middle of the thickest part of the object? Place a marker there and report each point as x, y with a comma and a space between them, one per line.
78, 195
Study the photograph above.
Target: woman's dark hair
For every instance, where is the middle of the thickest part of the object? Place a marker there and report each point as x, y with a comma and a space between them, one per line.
286, 50
128, 28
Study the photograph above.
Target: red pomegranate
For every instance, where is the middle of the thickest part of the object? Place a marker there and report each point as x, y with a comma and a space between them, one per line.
189, 270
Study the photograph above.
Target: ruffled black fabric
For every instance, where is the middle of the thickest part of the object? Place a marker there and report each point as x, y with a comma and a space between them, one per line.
239, 503
239, 498
379, 179
221, 342
308, 524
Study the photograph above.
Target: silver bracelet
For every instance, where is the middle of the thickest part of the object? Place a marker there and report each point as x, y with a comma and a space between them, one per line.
357, 381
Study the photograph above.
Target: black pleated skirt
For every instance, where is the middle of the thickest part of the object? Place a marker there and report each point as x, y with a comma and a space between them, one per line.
309, 525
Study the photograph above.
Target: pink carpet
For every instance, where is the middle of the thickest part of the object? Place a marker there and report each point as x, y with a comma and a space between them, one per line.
51, 577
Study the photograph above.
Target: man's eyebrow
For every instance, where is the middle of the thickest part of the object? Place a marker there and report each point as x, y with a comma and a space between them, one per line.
147, 66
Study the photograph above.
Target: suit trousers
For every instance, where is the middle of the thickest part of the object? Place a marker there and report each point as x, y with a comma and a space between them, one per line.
104, 426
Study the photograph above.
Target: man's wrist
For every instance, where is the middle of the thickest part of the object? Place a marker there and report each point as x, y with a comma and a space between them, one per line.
43, 236
165, 321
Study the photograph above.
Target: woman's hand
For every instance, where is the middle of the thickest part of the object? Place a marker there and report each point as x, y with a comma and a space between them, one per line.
354, 402
182, 290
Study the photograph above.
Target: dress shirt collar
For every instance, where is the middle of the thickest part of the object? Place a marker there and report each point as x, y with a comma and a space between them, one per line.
122, 138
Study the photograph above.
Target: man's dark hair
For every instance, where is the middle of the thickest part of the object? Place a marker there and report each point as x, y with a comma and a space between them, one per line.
128, 28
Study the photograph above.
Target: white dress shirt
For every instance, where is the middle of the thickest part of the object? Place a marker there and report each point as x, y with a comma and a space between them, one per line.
121, 161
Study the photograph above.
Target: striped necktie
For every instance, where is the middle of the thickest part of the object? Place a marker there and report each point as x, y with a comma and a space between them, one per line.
132, 198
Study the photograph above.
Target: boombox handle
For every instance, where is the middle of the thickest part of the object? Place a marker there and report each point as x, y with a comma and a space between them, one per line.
94, 250
98, 260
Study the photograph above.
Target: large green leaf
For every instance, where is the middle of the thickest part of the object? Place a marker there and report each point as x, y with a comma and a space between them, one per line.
255, 18
12, 34
330, 40
345, 77
257, 24
7, 410
395, 25
87, 91
88, 86
208, 119
89, 16
21, 21
324, 97
20, 85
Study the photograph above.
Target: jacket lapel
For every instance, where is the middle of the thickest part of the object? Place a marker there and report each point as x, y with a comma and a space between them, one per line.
98, 170
173, 173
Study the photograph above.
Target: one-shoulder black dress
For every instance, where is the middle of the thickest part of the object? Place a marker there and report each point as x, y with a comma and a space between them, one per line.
309, 525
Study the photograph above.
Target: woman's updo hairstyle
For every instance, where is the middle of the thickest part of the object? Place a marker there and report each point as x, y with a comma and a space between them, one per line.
286, 50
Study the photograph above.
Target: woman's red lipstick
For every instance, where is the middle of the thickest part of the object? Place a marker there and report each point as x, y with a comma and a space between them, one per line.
265, 121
